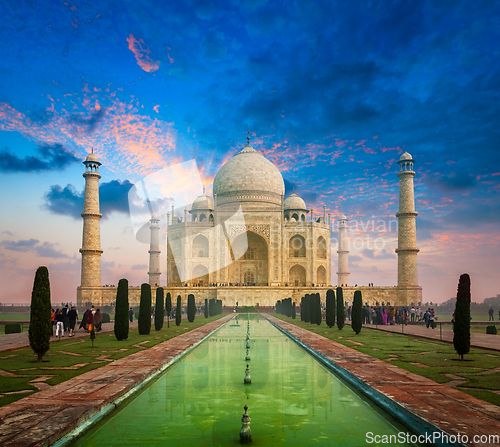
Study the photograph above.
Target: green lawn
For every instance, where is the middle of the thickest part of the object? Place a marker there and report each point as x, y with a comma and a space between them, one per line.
429, 358
78, 354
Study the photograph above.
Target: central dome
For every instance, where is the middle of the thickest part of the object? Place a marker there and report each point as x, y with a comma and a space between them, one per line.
249, 176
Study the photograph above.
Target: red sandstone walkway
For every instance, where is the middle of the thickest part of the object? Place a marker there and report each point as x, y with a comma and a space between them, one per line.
486, 341
44, 417
451, 410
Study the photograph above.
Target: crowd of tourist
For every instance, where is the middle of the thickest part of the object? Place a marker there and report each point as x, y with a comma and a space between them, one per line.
390, 315
64, 320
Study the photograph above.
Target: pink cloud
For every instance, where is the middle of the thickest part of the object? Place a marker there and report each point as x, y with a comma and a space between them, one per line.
141, 53
156, 108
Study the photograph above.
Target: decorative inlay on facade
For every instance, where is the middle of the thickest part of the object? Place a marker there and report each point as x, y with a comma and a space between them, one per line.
263, 230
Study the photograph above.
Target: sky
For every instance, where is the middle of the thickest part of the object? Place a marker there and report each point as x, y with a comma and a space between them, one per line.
333, 92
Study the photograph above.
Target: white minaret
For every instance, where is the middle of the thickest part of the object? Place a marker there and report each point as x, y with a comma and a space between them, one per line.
91, 243
343, 253
154, 253
407, 234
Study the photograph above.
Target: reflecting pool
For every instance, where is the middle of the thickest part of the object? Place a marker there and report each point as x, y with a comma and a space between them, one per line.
292, 400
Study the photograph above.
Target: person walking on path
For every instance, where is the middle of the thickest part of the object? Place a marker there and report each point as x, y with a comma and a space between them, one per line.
490, 314
98, 320
131, 315
59, 323
65, 311
72, 318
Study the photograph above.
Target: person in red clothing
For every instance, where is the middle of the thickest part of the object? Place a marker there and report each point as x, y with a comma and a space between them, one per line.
90, 320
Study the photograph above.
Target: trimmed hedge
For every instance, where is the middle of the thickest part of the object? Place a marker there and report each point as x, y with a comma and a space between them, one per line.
492, 330
106, 318
14, 328
121, 313
461, 328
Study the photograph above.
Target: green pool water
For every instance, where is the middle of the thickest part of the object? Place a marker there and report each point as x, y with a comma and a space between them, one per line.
292, 400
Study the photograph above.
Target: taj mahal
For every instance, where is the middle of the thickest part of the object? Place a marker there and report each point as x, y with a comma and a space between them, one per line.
249, 244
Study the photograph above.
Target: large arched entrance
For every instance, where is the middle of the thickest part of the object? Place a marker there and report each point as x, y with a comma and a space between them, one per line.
252, 267
298, 276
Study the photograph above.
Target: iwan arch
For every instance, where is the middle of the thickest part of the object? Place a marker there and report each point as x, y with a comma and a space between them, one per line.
249, 244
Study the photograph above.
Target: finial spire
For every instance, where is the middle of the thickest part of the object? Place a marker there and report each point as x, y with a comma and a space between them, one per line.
92, 149
203, 189
248, 135
293, 189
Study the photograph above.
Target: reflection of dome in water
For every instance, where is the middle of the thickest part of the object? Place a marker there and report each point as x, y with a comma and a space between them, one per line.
295, 417
202, 416
249, 176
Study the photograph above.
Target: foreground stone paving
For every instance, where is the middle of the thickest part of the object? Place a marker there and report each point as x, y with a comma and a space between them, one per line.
43, 418
450, 410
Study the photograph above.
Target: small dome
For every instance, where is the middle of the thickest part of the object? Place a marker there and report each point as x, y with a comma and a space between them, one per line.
294, 202
406, 156
203, 202
342, 217
92, 157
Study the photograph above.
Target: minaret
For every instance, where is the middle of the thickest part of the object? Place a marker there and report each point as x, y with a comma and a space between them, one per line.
343, 253
154, 253
91, 243
407, 235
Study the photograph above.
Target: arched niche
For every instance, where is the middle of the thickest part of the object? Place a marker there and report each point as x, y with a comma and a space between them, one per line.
200, 247
297, 247
297, 275
200, 275
321, 247
321, 275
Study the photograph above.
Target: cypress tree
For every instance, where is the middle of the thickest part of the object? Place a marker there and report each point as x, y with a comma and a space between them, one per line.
168, 307
206, 308
40, 328
159, 309
306, 308
294, 311
121, 311
178, 311
191, 308
219, 307
330, 308
302, 309
461, 328
144, 322
357, 312
340, 308
312, 308
318, 309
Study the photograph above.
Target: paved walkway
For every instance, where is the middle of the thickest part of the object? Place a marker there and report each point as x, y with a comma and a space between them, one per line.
42, 418
478, 340
448, 409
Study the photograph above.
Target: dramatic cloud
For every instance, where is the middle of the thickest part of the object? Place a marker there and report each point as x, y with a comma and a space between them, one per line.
453, 182
52, 157
89, 124
69, 202
21, 245
141, 53
48, 250
45, 250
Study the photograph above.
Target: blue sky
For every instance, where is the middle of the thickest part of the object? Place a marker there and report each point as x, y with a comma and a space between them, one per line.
333, 93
